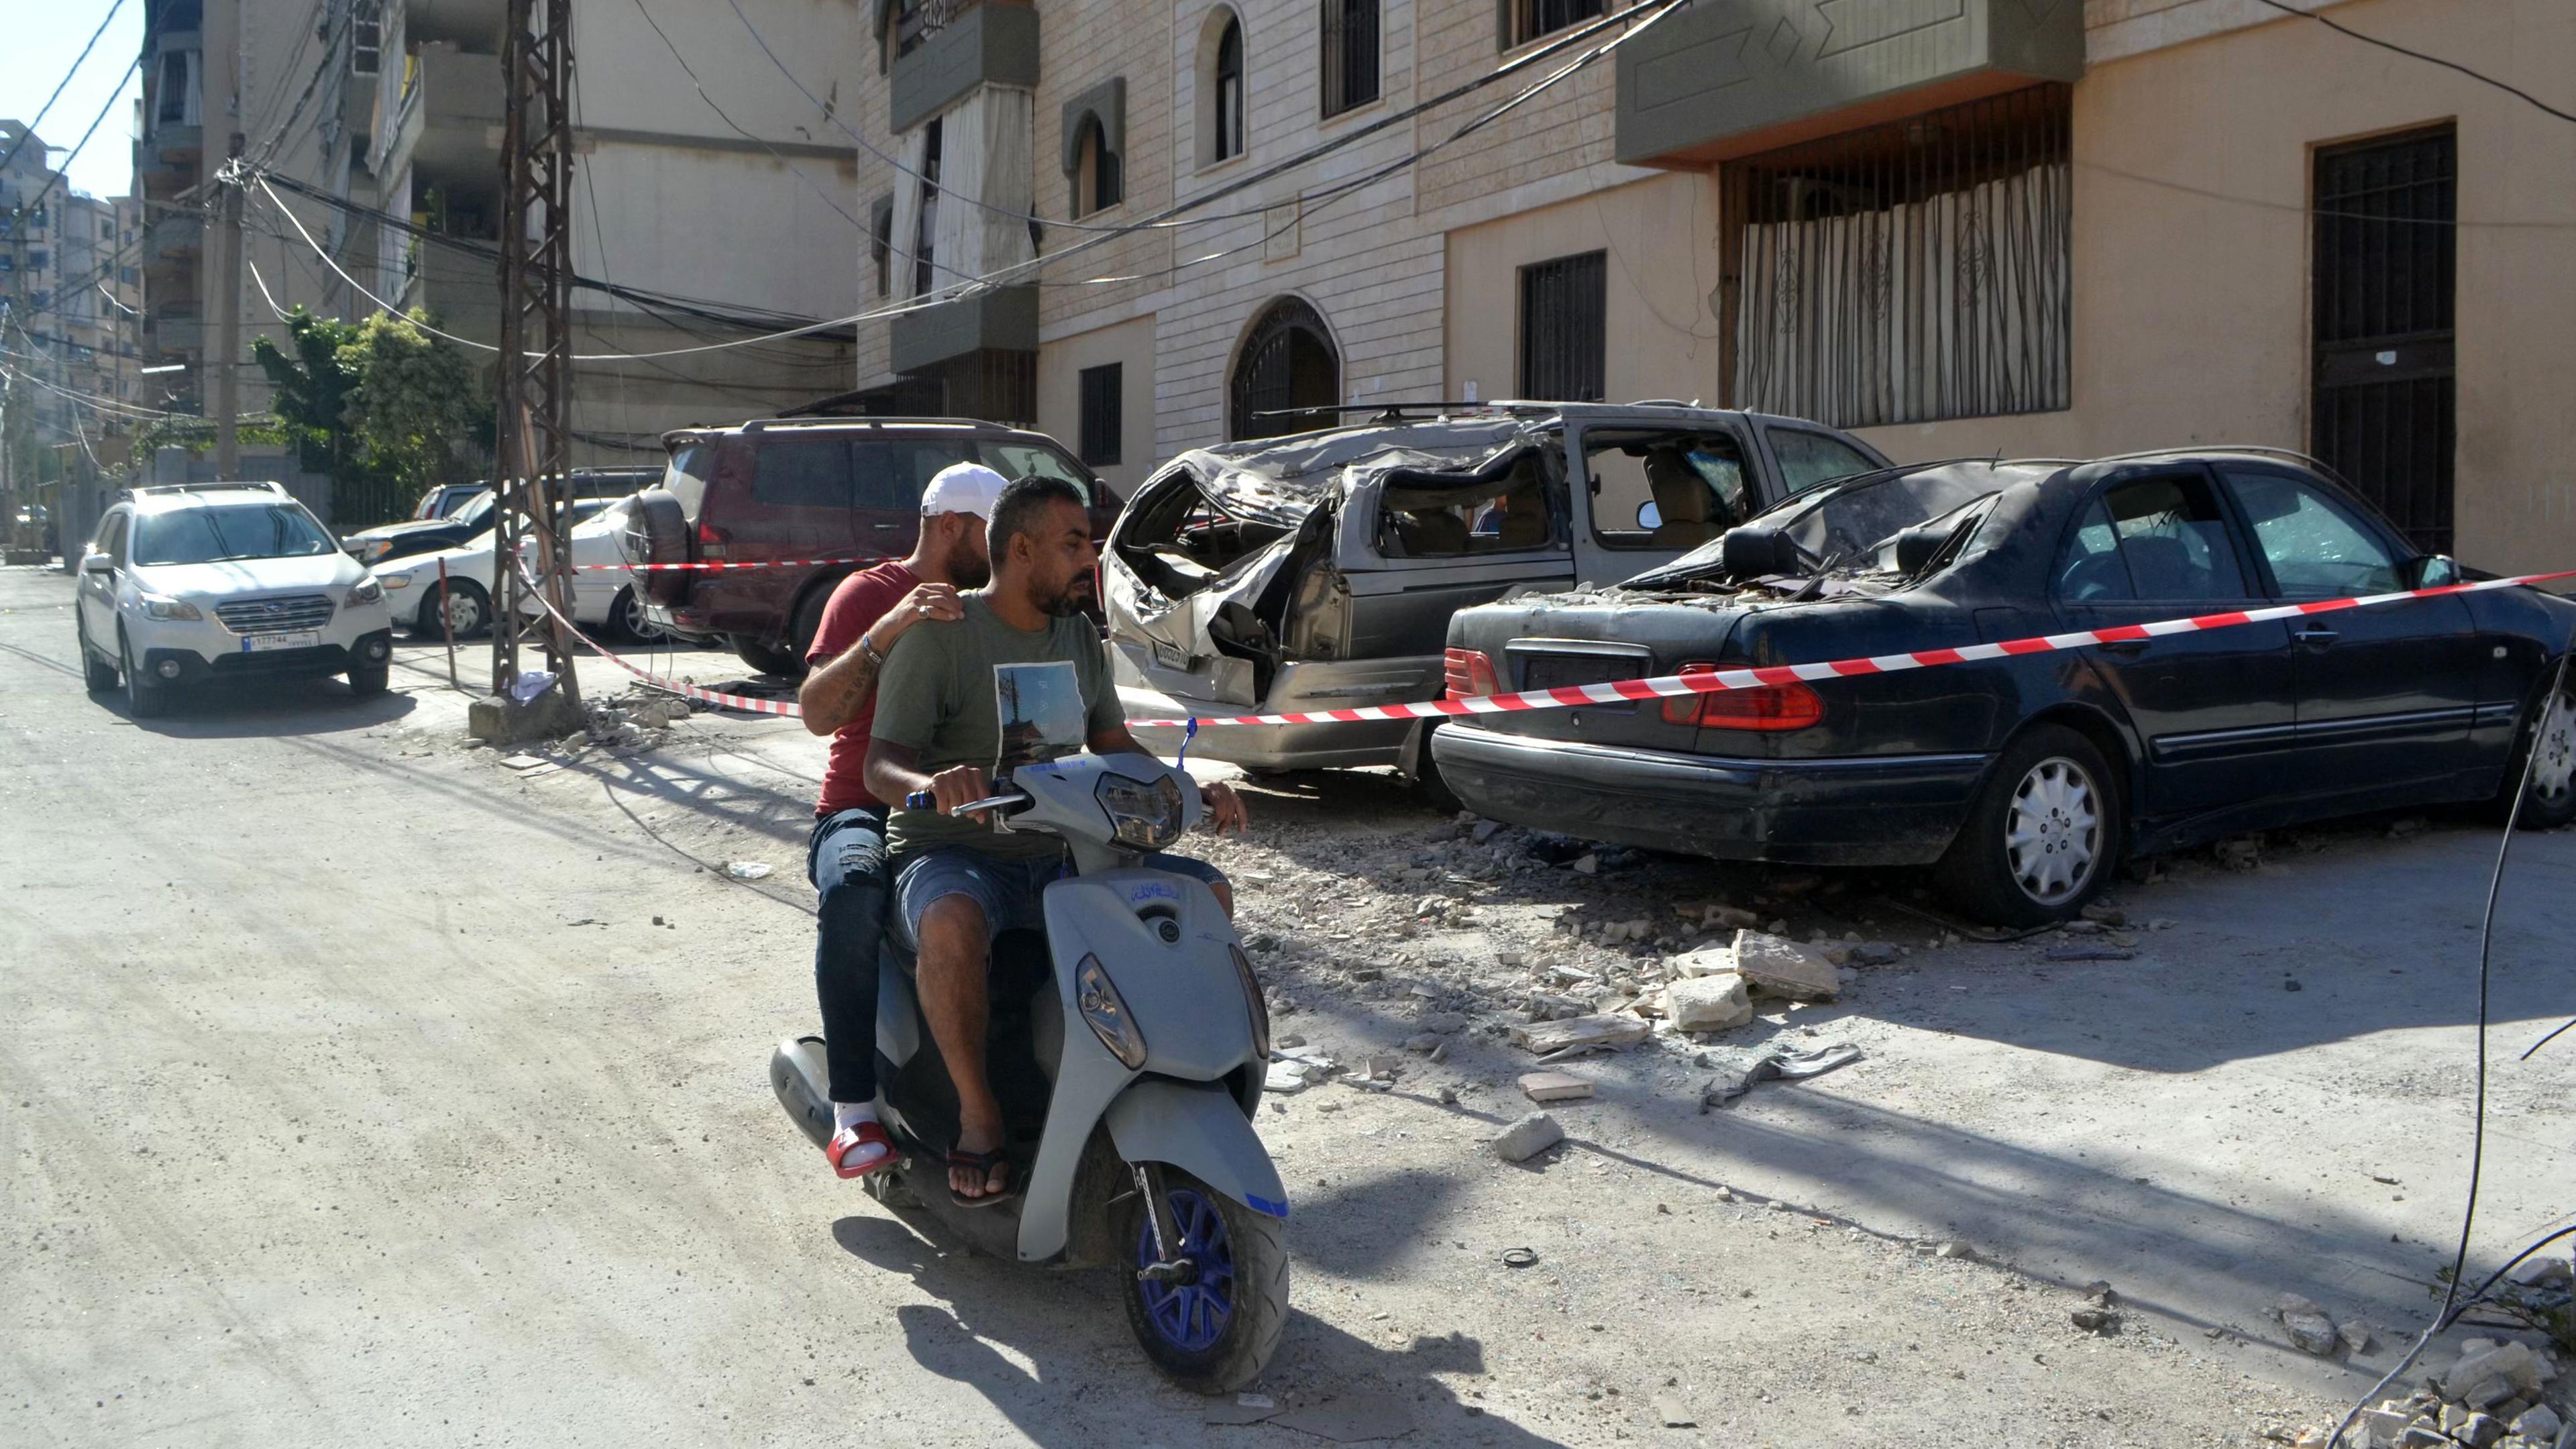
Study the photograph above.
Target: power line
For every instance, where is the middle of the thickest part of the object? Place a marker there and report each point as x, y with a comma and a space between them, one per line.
29, 134
700, 87
55, 177
2389, 45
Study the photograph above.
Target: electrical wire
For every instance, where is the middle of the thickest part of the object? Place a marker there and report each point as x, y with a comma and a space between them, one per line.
54, 178
29, 134
1009, 274
700, 87
2479, 76
2478, 1128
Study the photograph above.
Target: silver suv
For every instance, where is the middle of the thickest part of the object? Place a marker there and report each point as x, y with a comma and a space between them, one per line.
187, 582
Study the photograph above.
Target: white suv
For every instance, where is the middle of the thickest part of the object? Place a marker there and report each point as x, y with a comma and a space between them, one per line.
186, 582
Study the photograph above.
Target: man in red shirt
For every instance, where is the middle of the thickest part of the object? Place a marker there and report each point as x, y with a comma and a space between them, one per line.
846, 858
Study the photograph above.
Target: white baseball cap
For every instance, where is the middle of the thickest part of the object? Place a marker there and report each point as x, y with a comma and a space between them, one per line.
964, 488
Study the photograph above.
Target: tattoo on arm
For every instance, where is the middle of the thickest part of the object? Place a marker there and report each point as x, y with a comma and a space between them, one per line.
834, 693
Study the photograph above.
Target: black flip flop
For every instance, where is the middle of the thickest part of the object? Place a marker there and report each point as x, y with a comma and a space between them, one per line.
985, 1162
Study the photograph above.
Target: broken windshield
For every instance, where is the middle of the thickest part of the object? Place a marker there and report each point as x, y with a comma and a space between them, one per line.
1851, 524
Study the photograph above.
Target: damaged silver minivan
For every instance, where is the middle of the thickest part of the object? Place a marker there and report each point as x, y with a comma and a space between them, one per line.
1319, 571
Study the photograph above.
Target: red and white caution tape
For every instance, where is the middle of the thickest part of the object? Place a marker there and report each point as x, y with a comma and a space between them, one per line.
679, 687
1722, 680
716, 564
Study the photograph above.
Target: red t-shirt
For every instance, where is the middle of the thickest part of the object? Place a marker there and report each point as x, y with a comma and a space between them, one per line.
858, 603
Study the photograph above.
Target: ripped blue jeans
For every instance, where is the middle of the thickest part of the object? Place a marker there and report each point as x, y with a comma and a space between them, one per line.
846, 862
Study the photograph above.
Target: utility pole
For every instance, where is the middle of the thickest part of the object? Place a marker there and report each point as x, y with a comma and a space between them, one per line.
533, 449
228, 273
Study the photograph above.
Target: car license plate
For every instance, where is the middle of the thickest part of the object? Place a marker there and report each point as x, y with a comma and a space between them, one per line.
1170, 656
1559, 671
262, 643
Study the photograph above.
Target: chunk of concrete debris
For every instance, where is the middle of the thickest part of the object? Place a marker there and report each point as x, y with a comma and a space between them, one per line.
1544, 1037
2481, 1431
1384, 1068
1528, 1137
1727, 918
1780, 967
1706, 961
1423, 1043
2539, 1423
1485, 831
2355, 1336
2492, 1374
1554, 1087
2307, 1324
1587, 864
1283, 1080
1874, 953
1673, 1414
2094, 1319
1442, 1023
1708, 1003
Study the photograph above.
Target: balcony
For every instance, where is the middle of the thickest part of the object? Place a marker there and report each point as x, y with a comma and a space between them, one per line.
994, 42
173, 331
178, 237
1716, 82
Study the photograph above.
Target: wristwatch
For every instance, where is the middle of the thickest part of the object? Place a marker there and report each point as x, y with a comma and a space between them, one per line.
868, 647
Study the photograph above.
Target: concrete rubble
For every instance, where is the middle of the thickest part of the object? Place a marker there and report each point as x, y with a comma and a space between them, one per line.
2489, 1395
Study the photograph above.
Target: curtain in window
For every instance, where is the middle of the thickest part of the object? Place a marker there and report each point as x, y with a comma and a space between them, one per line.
1957, 306
907, 207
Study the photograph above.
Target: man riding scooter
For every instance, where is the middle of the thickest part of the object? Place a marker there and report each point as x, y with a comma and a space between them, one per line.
938, 730
846, 859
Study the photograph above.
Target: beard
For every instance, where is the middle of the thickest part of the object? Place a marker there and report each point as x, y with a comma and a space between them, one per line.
970, 573
1069, 599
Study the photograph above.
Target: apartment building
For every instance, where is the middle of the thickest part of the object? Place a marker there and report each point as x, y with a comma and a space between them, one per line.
1961, 226
63, 309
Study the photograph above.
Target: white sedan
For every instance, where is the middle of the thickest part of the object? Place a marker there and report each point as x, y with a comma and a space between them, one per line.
603, 591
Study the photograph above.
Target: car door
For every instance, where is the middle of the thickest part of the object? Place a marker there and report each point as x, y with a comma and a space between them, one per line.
2214, 710
1414, 547
2386, 695
96, 592
1801, 458
1644, 494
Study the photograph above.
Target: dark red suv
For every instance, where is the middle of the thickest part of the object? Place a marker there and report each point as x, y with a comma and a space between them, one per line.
777, 490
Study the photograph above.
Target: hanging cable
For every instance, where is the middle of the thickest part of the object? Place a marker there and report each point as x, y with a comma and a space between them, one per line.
29, 134
2479, 76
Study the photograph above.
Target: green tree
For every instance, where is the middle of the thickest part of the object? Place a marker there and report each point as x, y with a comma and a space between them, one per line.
313, 386
416, 405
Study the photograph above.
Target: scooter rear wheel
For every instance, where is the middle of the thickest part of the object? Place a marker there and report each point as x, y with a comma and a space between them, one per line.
1216, 1335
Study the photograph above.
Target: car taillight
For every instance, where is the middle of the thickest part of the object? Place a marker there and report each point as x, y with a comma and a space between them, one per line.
712, 541
1791, 706
1469, 671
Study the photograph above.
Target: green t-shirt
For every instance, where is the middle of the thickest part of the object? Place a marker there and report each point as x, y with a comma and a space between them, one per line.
939, 694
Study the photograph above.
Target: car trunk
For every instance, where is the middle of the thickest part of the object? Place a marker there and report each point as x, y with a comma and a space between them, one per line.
1551, 643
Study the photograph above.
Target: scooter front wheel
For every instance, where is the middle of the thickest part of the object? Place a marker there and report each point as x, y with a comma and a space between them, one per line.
1214, 1335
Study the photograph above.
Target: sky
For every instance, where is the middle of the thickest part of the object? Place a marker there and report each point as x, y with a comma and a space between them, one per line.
43, 36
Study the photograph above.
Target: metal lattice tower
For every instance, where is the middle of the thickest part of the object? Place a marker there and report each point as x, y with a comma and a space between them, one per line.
533, 456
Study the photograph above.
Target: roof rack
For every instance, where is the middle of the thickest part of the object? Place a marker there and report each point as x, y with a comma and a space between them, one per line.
847, 421
148, 490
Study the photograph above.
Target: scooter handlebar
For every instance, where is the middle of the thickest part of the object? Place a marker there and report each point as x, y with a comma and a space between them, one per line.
924, 800
918, 800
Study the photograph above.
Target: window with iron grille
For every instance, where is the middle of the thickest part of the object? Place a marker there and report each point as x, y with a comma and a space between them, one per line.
1101, 415
1909, 272
1350, 54
1564, 339
1527, 20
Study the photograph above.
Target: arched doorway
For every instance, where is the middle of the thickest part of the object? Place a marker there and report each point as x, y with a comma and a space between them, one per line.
1288, 363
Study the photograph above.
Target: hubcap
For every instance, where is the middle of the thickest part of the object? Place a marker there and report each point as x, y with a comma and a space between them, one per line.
635, 623
461, 612
1190, 1316
2053, 832
2553, 770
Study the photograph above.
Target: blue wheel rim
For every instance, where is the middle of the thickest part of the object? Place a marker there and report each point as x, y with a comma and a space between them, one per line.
1194, 1317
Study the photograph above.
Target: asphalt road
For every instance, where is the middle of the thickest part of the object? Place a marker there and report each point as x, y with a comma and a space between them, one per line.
350, 1093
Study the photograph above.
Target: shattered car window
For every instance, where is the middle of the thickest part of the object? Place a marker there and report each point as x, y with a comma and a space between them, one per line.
1502, 515
1853, 525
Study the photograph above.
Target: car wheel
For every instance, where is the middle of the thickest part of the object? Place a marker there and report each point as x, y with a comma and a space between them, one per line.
466, 608
98, 672
145, 697
768, 658
366, 681
2544, 769
627, 614
2042, 836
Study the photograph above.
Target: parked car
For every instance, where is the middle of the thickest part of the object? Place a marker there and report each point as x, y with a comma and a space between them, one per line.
780, 490
2022, 779
413, 585
462, 521
1319, 571
186, 582
445, 499
604, 595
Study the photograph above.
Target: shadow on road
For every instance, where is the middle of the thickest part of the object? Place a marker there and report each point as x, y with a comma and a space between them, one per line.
1082, 1386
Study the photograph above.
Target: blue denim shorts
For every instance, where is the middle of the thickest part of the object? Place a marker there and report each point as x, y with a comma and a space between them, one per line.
1008, 891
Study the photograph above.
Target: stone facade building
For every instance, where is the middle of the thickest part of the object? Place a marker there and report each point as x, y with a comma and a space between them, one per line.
1962, 226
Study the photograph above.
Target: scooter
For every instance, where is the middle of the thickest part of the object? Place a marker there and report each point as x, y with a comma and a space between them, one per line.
1132, 1138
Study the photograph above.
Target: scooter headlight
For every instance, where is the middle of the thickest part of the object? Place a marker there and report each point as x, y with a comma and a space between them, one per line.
1253, 1002
1107, 1013
1144, 815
